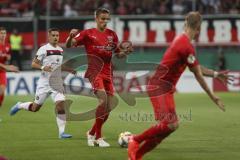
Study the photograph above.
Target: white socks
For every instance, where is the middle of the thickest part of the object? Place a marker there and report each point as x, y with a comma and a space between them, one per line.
25, 105
61, 122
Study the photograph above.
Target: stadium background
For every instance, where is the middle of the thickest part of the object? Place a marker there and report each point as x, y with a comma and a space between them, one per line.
150, 25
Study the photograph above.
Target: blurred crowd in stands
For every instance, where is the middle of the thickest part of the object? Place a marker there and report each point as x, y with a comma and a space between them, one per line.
69, 8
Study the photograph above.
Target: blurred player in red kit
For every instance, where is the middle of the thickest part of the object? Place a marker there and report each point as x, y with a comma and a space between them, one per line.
100, 43
4, 57
179, 55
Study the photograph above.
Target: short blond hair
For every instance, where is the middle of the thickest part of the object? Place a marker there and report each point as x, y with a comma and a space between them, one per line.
53, 29
193, 20
3, 29
100, 11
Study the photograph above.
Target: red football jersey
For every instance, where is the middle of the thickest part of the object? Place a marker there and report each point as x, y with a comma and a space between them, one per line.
4, 51
178, 56
99, 47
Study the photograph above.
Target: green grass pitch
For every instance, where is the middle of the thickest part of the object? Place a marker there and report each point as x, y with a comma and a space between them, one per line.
205, 132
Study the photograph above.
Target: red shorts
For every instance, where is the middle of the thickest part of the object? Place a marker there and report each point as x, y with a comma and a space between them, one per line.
101, 83
3, 78
164, 108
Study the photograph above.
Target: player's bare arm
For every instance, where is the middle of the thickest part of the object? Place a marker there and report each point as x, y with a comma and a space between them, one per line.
199, 76
66, 68
120, 54
37, 65
10, 68
70, 40
2, 66
222, 75
8, 56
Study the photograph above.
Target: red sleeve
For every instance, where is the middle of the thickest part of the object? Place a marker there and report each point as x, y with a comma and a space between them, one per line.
190, 56
80, 38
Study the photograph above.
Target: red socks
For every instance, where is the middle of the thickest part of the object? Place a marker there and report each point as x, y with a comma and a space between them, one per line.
153, 132
101, 117
151, 138
149, 145
1, 99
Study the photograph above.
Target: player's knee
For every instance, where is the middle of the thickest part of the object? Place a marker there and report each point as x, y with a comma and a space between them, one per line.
102, 96
102, 101
35, 108
2, 91
60, 110
173, 126
60, 107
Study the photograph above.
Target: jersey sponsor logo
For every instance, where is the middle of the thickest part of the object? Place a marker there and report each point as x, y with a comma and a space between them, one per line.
108, 47
54, 52
99, 47
110, 39
7, 49
191, 59
94, 37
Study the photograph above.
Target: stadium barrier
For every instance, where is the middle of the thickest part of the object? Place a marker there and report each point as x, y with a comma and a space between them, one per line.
25, 83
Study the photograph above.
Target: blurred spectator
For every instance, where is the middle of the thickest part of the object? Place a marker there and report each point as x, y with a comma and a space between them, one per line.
210, 6
28, 12
16, 48
178, 7
89, 6
69, 12
221, 64
139, 9
163, 7
131, 7
70, 8
107, 4
122, 9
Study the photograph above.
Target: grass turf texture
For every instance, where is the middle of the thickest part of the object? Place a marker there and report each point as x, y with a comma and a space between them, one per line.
205, 132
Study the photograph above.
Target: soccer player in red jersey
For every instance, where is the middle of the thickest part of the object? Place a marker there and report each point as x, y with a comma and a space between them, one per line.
179, 55
100, 43
4, 57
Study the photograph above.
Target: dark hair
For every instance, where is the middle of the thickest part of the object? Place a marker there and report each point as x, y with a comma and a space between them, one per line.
193, 20
53, 29
2, 29
101, 10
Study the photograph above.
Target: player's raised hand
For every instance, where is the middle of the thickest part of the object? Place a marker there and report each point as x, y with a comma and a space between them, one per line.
47, 69
73, 33
12, 68
224, 77
219, 103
